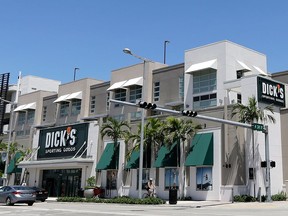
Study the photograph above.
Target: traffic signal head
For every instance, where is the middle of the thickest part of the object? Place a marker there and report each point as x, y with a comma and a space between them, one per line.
145, 105
189, 113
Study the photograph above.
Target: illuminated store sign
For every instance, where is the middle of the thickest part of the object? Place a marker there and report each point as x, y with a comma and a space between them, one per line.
62, 142
271, 92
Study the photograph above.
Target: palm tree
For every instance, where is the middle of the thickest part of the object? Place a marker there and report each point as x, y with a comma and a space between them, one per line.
179, 130
115, 130
153, 136
251, 113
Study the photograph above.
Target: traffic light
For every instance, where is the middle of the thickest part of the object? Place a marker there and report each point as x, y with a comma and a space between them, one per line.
145, 105
189, 113
263, 164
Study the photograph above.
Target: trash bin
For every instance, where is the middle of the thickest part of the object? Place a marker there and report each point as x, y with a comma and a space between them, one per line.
172, 196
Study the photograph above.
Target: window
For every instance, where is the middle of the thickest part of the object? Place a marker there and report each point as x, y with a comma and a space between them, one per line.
44, 113
239, 98
135, 93
120, 94
145, 178
119, 117
21, 118
75, 107
93, 104
204, 178
156, 91
135, 115
64, 108
181, 87
107, 101
171, 178
111, 181
203, 101
30, 116
204, 82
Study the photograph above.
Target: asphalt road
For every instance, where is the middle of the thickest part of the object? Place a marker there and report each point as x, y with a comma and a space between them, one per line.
89, 209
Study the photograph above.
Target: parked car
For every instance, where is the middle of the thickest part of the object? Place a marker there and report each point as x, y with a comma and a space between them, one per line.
41, 194
17, 194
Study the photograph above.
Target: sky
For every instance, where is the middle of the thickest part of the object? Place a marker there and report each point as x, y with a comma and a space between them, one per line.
49, 38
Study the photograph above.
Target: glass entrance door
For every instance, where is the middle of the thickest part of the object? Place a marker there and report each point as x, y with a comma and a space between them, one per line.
62, 182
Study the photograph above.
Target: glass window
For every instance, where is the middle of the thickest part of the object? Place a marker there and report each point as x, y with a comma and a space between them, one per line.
119, 117
145, 178
111, 181
171, 178
93, 104
120, 94
30, 116
204, 178
135, 93
135, 115
204, 81
107, 101
203, 101
156, 91
64, 108
75, 107
44, 113
21, 118
181, 87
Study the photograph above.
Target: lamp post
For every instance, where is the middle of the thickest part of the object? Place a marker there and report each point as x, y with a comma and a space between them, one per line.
75, 69
128, 51
165, 44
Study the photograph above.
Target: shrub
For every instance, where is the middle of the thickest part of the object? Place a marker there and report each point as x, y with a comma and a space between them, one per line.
124, 200
244, 198
279, 197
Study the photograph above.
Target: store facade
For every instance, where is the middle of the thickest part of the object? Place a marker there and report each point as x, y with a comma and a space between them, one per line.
64, 159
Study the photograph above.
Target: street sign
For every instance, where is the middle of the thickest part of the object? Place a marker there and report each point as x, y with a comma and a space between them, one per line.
258, 127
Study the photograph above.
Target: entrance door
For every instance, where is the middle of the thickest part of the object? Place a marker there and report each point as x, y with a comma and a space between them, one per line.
62, 182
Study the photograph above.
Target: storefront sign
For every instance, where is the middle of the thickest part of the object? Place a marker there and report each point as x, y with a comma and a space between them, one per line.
63, 142
271, 92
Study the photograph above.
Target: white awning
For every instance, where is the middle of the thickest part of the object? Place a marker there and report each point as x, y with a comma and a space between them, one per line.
261, 72
61, 98
240, 66
117, 85
24, 107
75, 95
202, 66
134, 81
30, 106
20, 108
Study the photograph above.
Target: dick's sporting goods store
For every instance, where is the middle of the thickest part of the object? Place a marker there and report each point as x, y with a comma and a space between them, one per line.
64, 159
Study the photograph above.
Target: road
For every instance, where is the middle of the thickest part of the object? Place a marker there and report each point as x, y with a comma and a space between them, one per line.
89, 209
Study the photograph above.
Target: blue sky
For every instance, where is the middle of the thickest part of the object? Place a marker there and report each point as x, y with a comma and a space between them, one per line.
49, 38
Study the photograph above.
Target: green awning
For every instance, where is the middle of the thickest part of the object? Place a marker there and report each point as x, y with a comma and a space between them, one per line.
167, 157
109, 158
133, 162
12, 167
201, 151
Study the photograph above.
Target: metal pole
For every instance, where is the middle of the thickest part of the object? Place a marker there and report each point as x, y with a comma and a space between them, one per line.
267, 158
9, 142
75, 69
165, 42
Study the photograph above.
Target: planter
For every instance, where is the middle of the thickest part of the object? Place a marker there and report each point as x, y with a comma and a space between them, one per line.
89, 193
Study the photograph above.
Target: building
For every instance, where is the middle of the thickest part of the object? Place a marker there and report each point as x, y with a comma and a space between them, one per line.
220, 161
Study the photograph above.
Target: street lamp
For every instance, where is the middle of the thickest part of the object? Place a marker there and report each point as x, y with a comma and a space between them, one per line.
165, 44
9, 137
128, 51
75, 69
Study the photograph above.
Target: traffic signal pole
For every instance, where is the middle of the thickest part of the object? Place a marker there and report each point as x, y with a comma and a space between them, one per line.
224, 121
